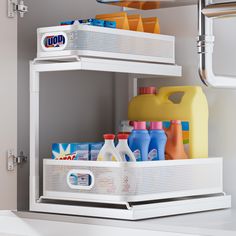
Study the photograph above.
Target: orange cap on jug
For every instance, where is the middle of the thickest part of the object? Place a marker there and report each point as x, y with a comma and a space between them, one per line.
147, 90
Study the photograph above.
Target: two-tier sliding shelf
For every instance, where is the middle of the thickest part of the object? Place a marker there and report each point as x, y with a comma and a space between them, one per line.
175, 187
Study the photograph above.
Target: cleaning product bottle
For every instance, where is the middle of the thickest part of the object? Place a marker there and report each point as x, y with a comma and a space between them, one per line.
174, 146
123, 148
158, 142
108, 151
139, 141
191, 107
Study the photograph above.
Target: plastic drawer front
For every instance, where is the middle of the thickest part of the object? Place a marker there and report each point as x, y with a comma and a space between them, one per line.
92, 41
131, 182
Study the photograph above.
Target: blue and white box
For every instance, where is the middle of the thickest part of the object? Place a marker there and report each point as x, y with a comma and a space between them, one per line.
94, 150
70, 151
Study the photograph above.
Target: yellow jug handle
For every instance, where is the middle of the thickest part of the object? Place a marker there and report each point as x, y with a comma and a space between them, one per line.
189, 92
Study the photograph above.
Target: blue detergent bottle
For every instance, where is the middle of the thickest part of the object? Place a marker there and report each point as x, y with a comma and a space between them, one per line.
157, 143
139, 140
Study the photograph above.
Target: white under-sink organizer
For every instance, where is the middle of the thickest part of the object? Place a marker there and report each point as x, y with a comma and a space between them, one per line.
118, 182
109, 189
92, 41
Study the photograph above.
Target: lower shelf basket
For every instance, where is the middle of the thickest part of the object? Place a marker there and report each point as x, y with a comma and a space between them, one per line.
115, 182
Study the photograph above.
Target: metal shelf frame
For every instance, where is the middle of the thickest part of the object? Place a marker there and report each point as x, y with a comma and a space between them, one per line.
135, 70
108, 65
77, 63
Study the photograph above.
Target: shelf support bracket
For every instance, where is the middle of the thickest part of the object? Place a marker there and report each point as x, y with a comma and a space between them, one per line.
34, 134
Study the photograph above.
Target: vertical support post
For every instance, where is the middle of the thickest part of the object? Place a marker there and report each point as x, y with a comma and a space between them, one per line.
133, 86
34, 135
125, 89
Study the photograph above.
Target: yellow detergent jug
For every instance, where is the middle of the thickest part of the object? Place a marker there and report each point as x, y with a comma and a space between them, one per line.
192, 108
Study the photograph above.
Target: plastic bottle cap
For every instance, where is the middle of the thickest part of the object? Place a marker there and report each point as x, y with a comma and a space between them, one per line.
122, 136
156, 125
109, 136
140, 125
176, 122
147, 90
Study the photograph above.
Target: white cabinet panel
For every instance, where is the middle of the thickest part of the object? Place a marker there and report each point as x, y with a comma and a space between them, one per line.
8, 106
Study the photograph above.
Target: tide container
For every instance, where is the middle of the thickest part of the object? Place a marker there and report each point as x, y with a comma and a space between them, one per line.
191, 108
158, 142
139, 141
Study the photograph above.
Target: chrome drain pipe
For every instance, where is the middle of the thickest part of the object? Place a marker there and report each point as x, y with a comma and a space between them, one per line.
206, 13
220, 9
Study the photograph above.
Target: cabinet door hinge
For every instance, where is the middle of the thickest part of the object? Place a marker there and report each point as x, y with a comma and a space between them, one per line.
13, 160
16, 6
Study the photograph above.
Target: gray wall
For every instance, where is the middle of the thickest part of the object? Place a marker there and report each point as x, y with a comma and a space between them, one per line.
74, 106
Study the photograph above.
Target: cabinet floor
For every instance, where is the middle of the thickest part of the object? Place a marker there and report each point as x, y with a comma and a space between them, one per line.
221, 222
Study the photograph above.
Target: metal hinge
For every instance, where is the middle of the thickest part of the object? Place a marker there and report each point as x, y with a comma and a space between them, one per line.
15, 6
13, 160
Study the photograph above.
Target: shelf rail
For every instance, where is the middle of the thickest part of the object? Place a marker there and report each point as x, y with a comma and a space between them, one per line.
206, 14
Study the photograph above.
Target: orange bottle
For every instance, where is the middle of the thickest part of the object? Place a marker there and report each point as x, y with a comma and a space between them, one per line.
135, 23
151, 25
174, 146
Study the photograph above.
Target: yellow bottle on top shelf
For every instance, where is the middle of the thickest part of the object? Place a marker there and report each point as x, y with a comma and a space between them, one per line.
192, 108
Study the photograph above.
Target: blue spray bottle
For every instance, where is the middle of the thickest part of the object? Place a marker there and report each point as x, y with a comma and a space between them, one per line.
157, 143
139, 141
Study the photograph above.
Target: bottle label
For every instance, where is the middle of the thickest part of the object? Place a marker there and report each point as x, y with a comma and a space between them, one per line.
152, 155
80, 179
83, 179
137, 155
185, 133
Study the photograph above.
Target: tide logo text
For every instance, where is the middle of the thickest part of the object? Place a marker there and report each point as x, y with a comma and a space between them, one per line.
54, 41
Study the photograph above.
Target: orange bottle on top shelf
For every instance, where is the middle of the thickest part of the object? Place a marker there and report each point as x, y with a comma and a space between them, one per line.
151, 25
135, 23
174, 146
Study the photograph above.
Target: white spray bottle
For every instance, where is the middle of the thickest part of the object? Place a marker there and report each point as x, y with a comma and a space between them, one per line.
123, 148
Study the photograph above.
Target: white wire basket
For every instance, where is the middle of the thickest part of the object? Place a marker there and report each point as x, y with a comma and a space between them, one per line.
100, 42
115, 182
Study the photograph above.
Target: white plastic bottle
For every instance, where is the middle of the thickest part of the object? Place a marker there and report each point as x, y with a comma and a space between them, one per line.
123, 148
108, 151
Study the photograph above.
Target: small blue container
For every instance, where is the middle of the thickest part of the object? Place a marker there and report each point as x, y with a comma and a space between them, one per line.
139, 141
158, 142
94, 150
110, 24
